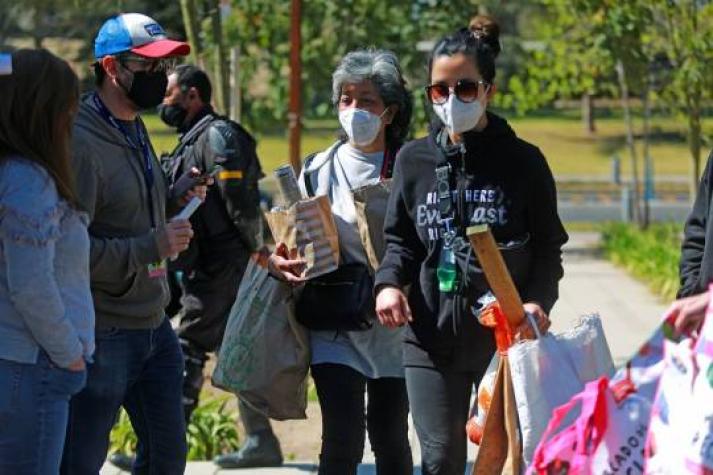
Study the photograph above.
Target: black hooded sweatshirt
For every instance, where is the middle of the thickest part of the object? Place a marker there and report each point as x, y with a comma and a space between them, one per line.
499, 180
696, 265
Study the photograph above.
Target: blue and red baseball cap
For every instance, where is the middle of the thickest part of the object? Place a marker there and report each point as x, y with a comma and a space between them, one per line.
136, 33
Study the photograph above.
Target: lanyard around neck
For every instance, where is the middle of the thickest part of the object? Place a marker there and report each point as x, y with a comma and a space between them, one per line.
142, 147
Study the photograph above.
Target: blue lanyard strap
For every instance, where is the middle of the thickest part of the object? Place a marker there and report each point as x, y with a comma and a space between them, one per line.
143, 147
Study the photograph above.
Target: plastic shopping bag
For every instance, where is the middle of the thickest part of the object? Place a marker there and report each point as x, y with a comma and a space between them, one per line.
484, 397
681, 433
549, 371
264, 357
642, 371
608, 435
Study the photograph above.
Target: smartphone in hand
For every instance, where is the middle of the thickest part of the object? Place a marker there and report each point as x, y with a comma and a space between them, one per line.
189, 180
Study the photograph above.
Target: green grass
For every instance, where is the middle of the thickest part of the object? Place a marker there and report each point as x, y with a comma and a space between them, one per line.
569, 150
273, 150
651, 255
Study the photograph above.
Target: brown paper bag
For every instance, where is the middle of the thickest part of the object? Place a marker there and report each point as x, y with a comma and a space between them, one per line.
500, 451
308, 229
370, 203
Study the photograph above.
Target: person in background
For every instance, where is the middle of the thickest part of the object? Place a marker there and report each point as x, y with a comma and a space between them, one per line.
690, 312
696, 264
46, 311
138, 363
471, 169
228, 230
374, 109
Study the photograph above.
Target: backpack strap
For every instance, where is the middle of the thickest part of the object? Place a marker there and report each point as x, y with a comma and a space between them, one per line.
387, 169
309, 188
308, 181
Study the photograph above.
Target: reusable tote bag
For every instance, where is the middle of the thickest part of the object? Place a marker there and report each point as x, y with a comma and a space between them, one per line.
607, 436
681, 433
548, 371
264, 357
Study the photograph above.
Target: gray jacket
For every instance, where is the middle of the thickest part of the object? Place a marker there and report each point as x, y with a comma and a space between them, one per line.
111, 188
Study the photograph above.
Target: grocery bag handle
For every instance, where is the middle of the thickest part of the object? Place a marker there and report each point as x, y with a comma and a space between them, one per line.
533, 324
590, 426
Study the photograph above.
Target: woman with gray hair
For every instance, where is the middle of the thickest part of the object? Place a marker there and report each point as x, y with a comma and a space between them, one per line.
374, 110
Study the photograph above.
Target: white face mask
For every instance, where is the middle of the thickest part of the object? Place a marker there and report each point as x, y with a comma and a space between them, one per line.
459, 116
361, 126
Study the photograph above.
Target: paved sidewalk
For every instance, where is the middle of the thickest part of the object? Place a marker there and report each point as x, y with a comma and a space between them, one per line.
628, 310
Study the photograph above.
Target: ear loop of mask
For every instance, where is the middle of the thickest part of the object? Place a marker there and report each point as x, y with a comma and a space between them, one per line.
118, 80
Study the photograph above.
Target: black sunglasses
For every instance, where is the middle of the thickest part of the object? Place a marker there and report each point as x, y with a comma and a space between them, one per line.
465, 90
164, 65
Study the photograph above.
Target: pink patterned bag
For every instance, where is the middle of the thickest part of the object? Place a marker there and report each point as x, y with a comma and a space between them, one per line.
681, 433
607, 437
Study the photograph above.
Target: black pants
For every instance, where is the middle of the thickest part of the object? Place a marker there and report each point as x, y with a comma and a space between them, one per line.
206, 300
341, 398
439, 407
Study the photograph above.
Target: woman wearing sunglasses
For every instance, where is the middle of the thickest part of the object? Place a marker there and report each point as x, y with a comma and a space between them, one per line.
471, 169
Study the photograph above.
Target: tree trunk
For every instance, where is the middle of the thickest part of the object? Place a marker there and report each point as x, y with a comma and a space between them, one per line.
648, 171
37, 30
190, 20
294, 115
635, 189
695, 134
235, 90
221, 69
588, 114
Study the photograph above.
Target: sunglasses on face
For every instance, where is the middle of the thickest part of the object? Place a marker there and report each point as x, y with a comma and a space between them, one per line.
164, 65
465, 90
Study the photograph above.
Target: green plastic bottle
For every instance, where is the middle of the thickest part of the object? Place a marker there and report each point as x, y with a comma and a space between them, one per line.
446, 271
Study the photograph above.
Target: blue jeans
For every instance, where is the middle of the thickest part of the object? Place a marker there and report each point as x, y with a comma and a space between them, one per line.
141, 370
34, 403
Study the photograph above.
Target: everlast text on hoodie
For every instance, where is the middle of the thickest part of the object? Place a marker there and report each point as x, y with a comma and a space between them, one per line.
503, 182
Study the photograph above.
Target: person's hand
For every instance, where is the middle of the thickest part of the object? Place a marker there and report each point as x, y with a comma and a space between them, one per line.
77, 365
688, 313
392, 307
524, 331
285, 267
174, 237
195, 184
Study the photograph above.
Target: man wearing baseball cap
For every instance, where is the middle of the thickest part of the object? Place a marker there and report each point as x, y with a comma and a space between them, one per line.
138, 362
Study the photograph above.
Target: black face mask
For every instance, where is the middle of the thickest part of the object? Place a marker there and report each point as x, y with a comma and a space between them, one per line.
147, 89
172, 115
